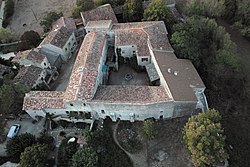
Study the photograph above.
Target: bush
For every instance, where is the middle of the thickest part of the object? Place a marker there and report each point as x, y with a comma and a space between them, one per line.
8, 12
86, 157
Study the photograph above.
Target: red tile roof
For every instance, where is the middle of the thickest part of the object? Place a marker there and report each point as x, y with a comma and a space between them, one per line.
104, 12
69, 23
32, 55
43, 99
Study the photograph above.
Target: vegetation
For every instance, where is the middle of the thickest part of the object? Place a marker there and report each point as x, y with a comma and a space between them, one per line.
211, 8
17, 145
158, 11
102, 142
81, 6
34, 156
8, 12
112, 2
86, 157
148, 129
5, 35
132, 10
45, 139
204, 138
49, 19
29, 40
65, 152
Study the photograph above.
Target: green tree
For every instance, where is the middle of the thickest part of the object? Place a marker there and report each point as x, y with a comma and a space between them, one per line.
8, 12
34, 156
65, 152
45, 139
5, 35
86, 157
17, 145
49, 19
29, 40
81, 6
7, 98
132, 10
148, 129
157, 10
211, 8
204, 42
204, 138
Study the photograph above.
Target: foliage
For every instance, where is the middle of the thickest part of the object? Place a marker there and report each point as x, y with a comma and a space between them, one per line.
49, 19
114, 3
34, 156
132, 10
8, 11
148, 129
204, 138
7, 98
102, 142
81, 6
29, 40
86, 157
230, 10
65, 152
204, 42
16, 145
211, 8
158, 11
45, 139
5, 35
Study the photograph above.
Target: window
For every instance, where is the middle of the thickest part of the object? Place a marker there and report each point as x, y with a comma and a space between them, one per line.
84, 104
44, 64
67, 112
144, 59
133, 51
69, 43
71, 104
66, 49
102, 111
123, 52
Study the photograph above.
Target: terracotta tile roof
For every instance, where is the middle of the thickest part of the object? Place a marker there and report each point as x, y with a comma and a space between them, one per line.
131, 94
135, 37
140, 32
69, 23
104, 12
180, 75
57, 37
32, 55
28, 75
43, 99
84, 74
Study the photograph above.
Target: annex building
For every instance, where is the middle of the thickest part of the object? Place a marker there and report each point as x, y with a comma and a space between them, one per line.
125, 71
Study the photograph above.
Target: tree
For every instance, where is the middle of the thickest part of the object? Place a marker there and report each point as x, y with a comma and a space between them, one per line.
8, 12
34, 156
45, 139
82, 6
17, 144
49, 19
66, 151
86, 157
204, 42
29, 40
211, 8
157, 10
204, 138
148, 129
5, 35
7, 98
132, 10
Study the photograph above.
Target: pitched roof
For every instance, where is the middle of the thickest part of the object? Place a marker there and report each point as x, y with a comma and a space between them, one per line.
28, 75
131, 94
101, 24
136, 37
43, 99
69, 23
32, 55
84, 74
180, 75
104, 12
57, 37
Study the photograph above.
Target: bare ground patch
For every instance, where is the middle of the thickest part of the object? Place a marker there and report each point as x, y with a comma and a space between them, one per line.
29, 13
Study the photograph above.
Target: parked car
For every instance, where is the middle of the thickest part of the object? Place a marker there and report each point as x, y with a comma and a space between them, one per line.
13, 130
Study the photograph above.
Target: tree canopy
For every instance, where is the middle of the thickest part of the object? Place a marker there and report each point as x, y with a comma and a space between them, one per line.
34, 156
204, 138
49, 19
17, 144
211, 8
30, 39
81, 6
132, 10
148, 129
5, 35
157, 10
86, 157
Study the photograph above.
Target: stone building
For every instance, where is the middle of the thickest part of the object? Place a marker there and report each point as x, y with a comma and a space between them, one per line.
172, 88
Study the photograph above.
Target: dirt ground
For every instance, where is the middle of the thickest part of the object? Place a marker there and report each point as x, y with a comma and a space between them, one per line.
29, 13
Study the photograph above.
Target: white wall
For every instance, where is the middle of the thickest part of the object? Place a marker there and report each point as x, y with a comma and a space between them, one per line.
39, 80
69, 47
56, 50
127, 51
143, 63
